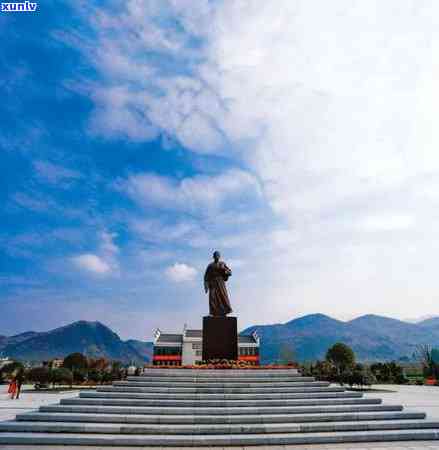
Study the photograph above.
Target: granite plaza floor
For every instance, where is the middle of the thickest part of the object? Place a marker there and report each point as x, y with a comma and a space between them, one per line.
414, 398
28, 401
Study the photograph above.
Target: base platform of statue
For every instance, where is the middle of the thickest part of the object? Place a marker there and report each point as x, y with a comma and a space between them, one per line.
220, 338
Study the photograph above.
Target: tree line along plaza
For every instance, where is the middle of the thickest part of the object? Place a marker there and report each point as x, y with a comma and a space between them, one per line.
187, 348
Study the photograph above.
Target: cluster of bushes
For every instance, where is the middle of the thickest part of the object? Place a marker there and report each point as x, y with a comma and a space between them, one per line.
429, 359
93, 371
389, 373
356, 375
340, 366
42, 376
76, 369
8, 371
360, 375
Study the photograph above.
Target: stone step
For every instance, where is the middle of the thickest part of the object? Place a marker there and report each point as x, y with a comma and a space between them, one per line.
217, 440
216, 408
206, 373
219, 403
217, 384
214, 399
207, 429
199, 389
219, 419
220, 379
124, 393
330, 407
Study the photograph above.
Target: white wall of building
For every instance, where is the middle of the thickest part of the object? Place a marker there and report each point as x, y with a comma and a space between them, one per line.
192, 351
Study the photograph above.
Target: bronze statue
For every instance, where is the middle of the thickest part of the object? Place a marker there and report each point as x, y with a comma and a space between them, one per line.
215, 277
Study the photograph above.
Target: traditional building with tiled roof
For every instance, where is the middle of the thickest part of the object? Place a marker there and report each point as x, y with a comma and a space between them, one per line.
187, 348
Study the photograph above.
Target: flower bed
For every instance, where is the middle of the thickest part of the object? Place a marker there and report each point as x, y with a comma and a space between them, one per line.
227, 364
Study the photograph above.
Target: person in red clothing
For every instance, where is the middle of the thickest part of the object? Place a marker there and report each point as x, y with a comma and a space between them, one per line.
12, 388
18, 382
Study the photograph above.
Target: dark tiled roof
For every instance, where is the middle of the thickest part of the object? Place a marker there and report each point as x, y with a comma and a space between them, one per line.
165, 338
168, 338
246, 340
194, 333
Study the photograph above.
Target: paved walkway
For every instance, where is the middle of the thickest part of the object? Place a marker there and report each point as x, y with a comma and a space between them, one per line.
27, 401
417, 398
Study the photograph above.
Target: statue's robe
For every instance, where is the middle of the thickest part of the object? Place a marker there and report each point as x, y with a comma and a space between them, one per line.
215, 281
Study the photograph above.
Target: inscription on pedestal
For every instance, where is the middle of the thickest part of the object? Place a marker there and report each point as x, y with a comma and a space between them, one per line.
220, 338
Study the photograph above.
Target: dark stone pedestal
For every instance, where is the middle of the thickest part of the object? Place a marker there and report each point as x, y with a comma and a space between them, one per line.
220, 338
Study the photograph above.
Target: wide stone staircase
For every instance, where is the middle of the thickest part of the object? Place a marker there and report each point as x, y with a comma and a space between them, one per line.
194, 407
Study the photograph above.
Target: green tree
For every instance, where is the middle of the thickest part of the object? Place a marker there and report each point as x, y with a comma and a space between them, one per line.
341, 356
107, 377
117, 371
397, 373
388, 373
368, 378
99, 364
361, 376
80, 375
427, 357
435, 360
61, 376
9, 370
324, 371
75, 361
39, 375
95, 375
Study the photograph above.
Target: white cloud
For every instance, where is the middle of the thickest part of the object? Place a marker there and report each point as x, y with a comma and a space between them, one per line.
180, 273
157, 232
330, 117
35, 202
53, 173
120, 114
331, 105
107, 245
387, 223
197, 193
104, 261
92, 263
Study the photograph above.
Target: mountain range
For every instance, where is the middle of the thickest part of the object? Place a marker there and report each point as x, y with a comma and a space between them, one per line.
90, 338
372, 337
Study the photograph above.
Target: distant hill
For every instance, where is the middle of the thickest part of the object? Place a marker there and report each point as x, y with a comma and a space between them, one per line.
21, 337
8, 340
402, 333
431, 323
143, 348
420, 318
373, 338
90, 338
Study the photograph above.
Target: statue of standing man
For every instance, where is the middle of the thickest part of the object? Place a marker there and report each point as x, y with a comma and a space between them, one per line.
215, 277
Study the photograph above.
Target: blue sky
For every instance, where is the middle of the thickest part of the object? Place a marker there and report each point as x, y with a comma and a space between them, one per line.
298, 138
